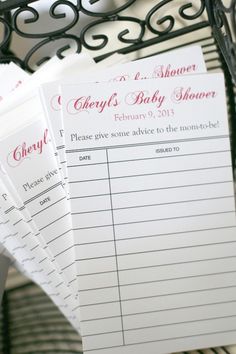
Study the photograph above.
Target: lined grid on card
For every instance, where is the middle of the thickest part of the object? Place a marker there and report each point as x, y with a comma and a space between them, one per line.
155, 240
54, 229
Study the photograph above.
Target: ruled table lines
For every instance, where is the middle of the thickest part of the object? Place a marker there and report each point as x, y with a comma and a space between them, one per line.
156, 241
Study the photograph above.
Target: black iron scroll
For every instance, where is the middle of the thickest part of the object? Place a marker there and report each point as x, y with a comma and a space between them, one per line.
222, 19
155, 26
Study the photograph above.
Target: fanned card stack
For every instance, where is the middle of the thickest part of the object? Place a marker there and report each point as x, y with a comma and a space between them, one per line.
117, 198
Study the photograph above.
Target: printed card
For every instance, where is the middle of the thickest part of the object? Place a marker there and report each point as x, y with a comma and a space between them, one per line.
28, 158
153, 210
184, 61
23, 244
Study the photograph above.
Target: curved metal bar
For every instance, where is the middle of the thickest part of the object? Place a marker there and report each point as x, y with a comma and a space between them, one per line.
9, 5
170, 19
223, 23
184, 15
104, 38
53, 15
58, 52
161, 21
108, 13
121, 35
7, 32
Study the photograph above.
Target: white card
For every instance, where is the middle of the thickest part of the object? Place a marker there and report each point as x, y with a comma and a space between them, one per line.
11, 78
179, 62
24, 245
54, 69
57, 291
30, 163
153, 210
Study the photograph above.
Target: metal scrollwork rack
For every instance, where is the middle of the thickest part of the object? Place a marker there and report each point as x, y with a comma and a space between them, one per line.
29, 37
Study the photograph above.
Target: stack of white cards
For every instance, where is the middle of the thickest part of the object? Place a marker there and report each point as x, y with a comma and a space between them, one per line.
117, 199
